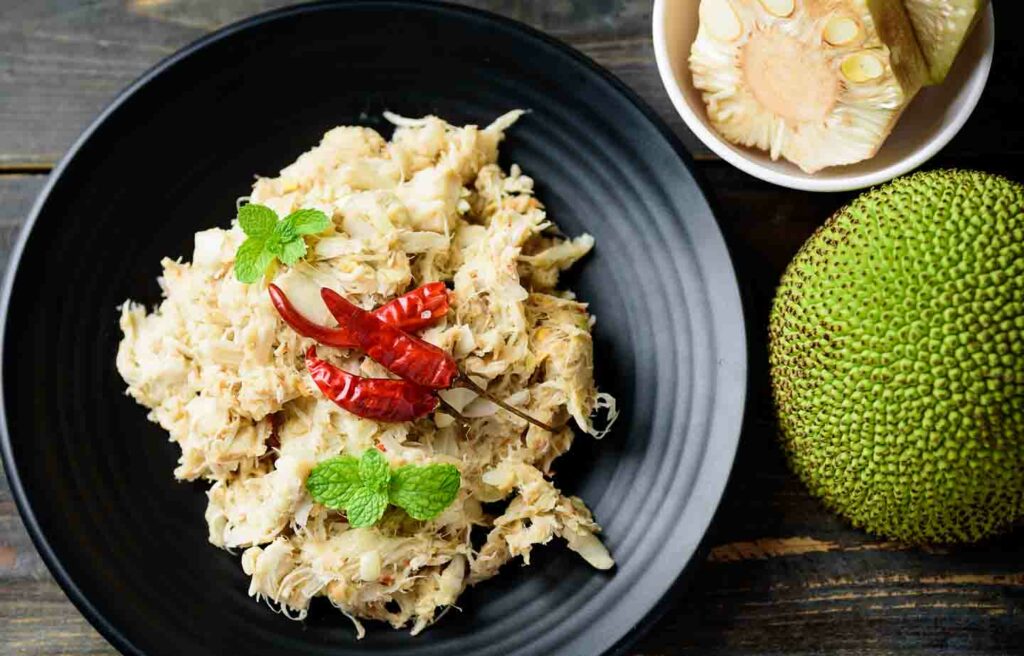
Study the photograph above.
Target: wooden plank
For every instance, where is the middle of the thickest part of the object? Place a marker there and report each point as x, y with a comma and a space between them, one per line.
63, 63
38, 620
16, 195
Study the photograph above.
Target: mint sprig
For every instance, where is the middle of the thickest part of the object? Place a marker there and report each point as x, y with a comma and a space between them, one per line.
364, 487
269, 239
425, 491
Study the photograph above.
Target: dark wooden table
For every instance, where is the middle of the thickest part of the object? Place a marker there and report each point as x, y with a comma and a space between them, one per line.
779, 574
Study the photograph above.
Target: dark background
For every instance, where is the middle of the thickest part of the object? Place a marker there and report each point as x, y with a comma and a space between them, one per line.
780, 574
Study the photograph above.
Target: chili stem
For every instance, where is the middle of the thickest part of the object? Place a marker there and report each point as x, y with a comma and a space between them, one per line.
465, 381
450, 410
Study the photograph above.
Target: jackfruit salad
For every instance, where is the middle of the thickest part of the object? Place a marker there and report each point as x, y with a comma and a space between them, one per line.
375, 349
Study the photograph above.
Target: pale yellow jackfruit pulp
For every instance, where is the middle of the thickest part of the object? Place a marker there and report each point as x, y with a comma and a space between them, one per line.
818, 82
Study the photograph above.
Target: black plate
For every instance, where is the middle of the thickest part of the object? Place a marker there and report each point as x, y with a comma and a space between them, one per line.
92, 477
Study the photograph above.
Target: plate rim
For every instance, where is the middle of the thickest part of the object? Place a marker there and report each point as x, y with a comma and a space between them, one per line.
717, 471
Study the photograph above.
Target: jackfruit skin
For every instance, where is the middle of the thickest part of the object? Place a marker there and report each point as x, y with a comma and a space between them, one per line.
942, 27
897, 358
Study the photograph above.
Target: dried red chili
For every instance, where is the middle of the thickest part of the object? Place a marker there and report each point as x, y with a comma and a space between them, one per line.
414, 310
380, 399
411, 358
399, 352
339, 337
417, 309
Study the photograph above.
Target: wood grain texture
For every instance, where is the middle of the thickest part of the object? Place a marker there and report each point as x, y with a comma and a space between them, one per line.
16, 195
62, 62
780, 574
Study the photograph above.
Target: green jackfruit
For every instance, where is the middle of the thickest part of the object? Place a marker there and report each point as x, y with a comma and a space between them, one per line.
897, 358
941, 27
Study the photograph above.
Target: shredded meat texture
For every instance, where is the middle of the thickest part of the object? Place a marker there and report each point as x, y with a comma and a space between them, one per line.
224, 375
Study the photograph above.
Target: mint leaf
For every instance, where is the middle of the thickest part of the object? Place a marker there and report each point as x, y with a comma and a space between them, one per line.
284, 232
335, 482
365, 507
374, 471
273, 245
280, 237
364, 487
251, 260
257, 220
292, 251
424, 492
308, 221
270, 239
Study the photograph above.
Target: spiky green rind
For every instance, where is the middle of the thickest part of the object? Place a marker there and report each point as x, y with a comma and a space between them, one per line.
897, 358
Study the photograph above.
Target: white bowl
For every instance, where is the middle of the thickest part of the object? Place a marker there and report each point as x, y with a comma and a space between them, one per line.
931, 120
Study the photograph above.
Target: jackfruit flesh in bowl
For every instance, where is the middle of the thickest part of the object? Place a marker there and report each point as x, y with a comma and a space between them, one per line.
942, 27
818, 82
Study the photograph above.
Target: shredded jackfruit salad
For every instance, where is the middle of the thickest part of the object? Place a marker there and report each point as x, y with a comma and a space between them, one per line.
335, 471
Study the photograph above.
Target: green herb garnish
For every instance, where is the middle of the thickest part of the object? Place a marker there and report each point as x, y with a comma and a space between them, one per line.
270, 239
364, 487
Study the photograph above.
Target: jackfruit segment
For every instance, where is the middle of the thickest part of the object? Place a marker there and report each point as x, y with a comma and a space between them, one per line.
719, 18
841, 31
942, 26
862, 67
780, 8
818, 82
